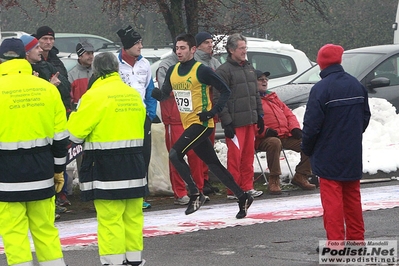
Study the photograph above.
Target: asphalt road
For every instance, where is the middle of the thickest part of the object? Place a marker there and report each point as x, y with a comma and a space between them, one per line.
279, 243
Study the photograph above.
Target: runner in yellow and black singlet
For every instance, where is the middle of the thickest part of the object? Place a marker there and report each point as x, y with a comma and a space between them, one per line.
190, 82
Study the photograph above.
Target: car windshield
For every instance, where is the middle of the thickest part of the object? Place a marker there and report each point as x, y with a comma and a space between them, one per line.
310, 76
356, 63
353, 63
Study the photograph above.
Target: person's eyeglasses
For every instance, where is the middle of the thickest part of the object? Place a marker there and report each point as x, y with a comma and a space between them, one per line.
263, 79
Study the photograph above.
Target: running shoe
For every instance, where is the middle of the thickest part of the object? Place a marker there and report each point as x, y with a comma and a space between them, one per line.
196, 201
244, 203
60, 209
232, 197
146, 205
207, 199
255, 193
182, 201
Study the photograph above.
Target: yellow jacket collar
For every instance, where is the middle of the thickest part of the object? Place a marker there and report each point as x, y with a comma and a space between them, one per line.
15, 66
108, 78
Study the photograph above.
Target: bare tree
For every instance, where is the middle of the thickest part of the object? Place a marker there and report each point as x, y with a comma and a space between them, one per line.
48, 6
217, 16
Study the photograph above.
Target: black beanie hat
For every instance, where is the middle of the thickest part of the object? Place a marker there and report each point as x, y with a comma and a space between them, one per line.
44, 30
129, 37
201, 37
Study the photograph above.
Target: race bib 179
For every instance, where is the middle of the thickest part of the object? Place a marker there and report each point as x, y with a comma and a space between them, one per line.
184, 101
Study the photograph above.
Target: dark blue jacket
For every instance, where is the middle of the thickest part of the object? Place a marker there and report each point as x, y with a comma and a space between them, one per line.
337, 114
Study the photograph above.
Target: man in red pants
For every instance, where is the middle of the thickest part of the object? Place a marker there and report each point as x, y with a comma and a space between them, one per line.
337, 114
243, 114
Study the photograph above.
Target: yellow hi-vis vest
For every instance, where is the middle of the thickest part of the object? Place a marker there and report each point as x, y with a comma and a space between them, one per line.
192, 96
110, 119
30, 113
110, 115
33, 136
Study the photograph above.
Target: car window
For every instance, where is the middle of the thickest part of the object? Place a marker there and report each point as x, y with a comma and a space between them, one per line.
69, 63
388, 69
353, 63
221, 57
68, 44
277, 65
151, 59
356, 63
310, 76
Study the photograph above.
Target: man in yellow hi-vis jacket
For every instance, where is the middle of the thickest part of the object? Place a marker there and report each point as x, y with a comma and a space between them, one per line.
33, 141
110, 121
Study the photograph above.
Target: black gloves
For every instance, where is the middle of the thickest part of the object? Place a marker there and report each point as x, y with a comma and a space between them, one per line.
296, 133
270, 132
157, 94
260, 124
205, 116
229, 131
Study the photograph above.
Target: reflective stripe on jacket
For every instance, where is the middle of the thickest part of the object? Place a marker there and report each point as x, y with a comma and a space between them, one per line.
33, 136
337, 114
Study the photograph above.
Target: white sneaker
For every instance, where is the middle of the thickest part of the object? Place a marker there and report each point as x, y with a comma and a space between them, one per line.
232, 197
207, 198
182, 201
255, 193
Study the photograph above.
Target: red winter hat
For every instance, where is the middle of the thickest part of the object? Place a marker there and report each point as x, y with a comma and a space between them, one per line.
329, 54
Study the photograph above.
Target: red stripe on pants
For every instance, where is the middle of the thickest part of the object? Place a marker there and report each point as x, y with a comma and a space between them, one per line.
343, 218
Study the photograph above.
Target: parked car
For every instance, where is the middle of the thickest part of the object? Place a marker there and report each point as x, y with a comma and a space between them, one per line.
66, 42
154, 54
10, 34
376, 67
282, 60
